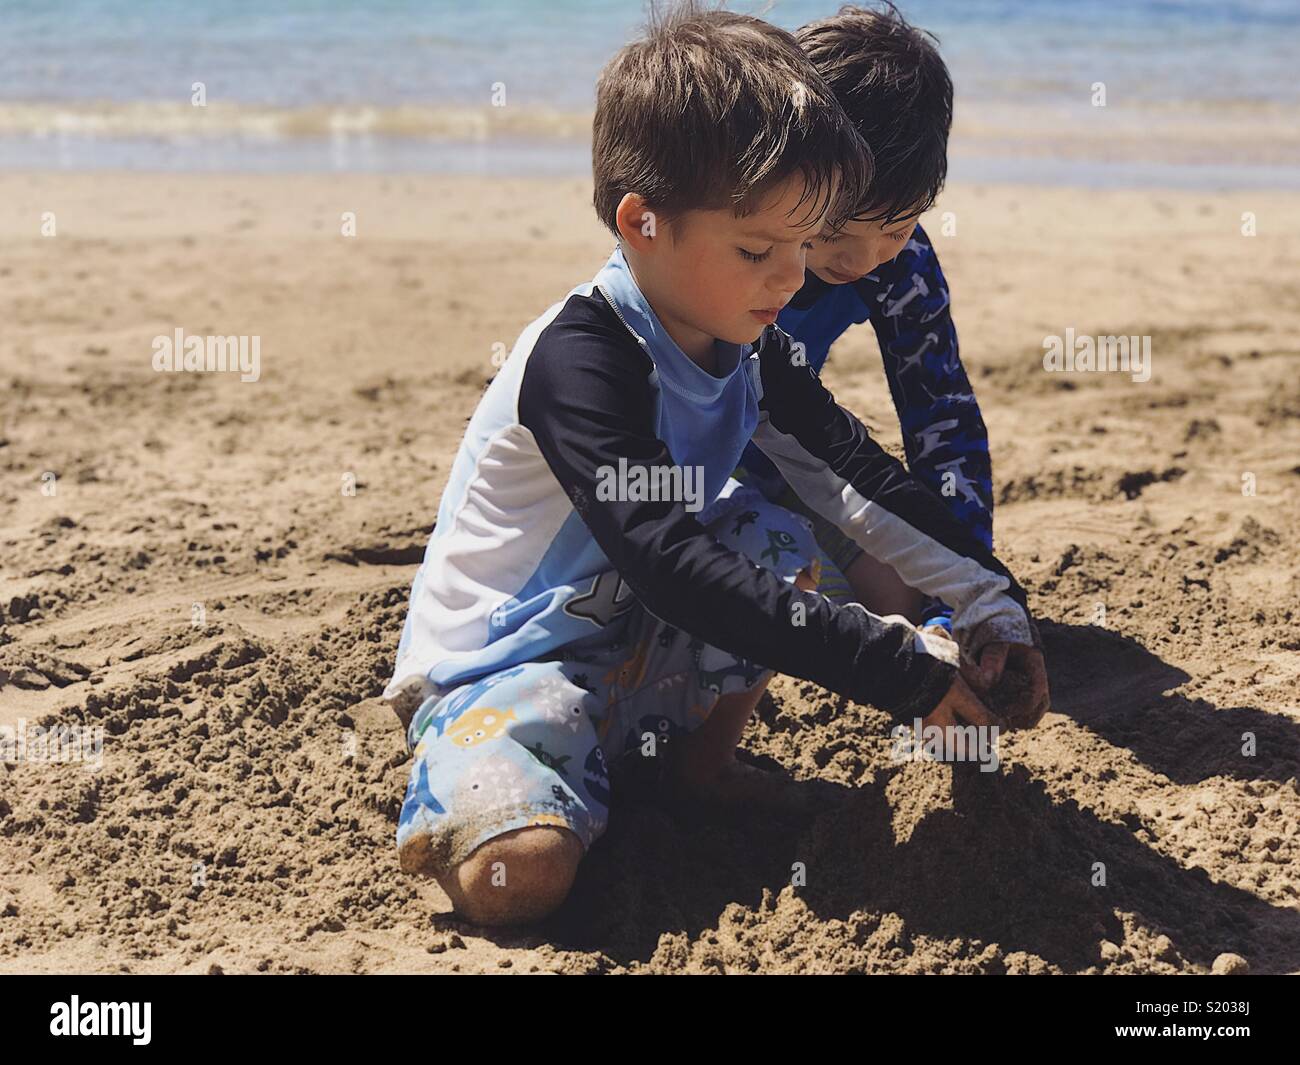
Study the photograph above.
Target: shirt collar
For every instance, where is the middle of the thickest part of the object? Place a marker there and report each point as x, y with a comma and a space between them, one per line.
677, 369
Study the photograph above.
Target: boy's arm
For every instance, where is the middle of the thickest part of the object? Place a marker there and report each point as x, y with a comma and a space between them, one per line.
944, 436
588, 402
827, 457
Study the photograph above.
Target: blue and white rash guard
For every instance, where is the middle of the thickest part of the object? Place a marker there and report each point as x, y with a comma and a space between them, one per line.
530, 554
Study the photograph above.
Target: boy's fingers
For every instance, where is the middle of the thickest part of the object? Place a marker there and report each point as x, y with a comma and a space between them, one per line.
941, 715
1028, 661
975, 712
968, 706
1042, 699
993, 660
960, 705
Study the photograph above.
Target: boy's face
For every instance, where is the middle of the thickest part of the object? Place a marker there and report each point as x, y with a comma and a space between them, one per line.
857, 249
709, 274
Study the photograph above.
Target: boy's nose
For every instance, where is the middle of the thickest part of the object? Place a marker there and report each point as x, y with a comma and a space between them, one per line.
863, 264
789, 280
784, 295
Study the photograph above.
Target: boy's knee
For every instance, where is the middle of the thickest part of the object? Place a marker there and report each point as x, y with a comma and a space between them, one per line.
515, 878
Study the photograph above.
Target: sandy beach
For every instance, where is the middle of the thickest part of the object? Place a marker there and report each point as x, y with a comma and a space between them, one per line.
215, 573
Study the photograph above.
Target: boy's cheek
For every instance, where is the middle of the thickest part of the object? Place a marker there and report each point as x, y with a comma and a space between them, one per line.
722, 302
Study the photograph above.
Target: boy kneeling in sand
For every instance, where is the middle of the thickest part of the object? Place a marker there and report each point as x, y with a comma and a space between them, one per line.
572, 609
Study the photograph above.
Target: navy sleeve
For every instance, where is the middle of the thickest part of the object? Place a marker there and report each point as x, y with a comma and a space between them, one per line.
587, 400
944, 437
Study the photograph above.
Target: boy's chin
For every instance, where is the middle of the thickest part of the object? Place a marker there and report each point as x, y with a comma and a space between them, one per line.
744, 334
753, 338
822, 275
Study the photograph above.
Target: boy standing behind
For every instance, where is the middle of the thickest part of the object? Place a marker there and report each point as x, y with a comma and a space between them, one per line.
881, 267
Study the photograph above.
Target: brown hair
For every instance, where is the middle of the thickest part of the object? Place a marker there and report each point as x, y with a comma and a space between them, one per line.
890, 79
712, 109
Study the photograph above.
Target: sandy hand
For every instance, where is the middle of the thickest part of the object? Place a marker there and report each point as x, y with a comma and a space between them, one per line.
961, 706
1012, 679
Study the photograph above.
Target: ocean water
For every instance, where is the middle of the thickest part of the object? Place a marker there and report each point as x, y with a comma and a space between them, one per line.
1198, 91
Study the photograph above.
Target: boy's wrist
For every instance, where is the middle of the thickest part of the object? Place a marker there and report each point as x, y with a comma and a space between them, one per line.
926, 695
1001, 630
924, 676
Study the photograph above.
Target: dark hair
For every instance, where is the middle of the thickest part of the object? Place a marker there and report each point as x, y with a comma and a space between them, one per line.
896, 90
712, 109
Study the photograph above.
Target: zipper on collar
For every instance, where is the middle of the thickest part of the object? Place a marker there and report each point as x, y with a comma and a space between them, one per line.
613, 306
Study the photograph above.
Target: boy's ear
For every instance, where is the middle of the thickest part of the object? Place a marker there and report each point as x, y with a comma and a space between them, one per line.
637, 225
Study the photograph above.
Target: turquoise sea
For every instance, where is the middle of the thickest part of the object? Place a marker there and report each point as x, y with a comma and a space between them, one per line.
1199, 92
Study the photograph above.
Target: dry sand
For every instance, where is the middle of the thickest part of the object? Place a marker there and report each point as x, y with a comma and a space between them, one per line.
251, 752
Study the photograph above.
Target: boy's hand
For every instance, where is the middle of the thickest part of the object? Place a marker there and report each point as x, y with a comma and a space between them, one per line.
961, 706
1013, 677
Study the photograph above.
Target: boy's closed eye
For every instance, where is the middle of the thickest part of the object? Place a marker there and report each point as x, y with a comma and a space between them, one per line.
758, 257
835, 238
